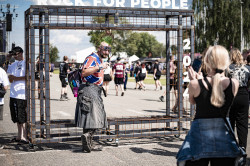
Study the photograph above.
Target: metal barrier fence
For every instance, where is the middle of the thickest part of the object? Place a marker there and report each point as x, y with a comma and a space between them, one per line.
178, 25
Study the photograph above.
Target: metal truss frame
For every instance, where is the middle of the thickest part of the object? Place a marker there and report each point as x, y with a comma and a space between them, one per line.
40, 19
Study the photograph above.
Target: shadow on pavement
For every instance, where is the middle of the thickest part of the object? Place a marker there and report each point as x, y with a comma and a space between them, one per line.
155, 151
164, 142
5, 140
158, 100
155, 111
76, 147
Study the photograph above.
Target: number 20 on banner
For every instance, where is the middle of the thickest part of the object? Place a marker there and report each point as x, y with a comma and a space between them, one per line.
186, 63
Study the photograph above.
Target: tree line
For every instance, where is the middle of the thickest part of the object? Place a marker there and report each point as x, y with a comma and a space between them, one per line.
219, 22
134, 43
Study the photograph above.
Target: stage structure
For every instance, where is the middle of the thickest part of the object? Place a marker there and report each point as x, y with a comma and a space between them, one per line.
39, 20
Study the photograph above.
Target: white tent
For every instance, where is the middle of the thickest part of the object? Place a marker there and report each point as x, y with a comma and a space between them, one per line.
133, 58
122, 55
82, 54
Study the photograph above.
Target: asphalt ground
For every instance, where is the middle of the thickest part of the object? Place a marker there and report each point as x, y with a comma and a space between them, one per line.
132, 151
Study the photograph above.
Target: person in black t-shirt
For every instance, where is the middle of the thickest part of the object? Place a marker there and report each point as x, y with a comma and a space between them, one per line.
157, 75
64, 70
136, 74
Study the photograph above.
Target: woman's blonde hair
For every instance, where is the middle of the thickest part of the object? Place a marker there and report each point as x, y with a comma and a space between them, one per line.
217, 59
203, 66
236, 57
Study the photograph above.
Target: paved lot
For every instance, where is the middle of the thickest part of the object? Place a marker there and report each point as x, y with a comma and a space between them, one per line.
145, 151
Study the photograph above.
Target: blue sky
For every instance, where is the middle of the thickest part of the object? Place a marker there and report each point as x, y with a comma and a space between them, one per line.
67, 41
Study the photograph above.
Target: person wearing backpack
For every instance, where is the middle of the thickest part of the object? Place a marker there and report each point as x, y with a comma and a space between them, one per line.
64, 70
90, 113
157, 75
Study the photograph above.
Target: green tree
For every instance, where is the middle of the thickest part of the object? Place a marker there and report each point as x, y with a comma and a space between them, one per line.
218, 22
139, 44
53, 53
116, 38
142, 43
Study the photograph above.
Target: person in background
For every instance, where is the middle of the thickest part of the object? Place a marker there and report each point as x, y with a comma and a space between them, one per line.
63, 75
119, 72
90, 113
248, 66
136, 74
4, 83
126, 75
209, 139
39, 66
131, 70
239, 110
157, 75
203, 69
107, 78
18, 103
148, 67
52, 68
173, 82
197, 63
142, 75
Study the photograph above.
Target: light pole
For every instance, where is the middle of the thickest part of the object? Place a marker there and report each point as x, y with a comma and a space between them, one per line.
241, 28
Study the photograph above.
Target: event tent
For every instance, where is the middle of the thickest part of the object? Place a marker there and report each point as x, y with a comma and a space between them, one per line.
82, 54
132, 59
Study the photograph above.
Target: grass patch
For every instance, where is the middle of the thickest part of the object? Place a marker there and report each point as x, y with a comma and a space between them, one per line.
148, 80
56, 71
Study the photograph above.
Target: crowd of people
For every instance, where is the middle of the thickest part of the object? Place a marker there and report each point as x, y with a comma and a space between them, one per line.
218, 87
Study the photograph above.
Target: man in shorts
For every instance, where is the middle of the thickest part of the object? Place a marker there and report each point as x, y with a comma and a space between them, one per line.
119, 70
64, 70
18, 104
157, 75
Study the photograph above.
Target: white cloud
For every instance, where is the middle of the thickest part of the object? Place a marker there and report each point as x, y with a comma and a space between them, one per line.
68, 37
69, 41
159, 35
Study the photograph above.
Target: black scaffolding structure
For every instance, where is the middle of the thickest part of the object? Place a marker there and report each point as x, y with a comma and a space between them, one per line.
39, 20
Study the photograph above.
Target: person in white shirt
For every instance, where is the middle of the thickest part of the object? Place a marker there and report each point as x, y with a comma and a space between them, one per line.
18, 104
107, 78
4, 82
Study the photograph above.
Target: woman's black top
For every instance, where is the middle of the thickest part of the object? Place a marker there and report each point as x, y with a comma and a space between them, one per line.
204, 108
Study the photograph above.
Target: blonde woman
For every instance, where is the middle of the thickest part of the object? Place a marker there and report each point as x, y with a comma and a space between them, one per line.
209, 140
239, 110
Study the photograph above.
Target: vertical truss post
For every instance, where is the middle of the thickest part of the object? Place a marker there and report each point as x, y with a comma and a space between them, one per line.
27, 71
180, 69
41, 66
47, 77
192, 107
167, 72
33, 88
